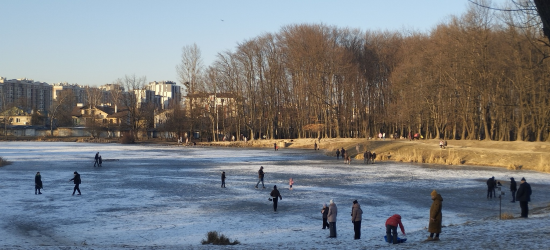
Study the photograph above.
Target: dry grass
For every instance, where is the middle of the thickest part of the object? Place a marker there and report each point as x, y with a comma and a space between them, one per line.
506, 216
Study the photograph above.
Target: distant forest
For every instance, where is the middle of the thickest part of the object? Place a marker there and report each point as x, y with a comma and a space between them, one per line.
484, 75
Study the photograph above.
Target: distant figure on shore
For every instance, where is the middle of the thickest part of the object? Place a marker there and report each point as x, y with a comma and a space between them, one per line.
275, 146
37, 183
490, 187
315, 146
276, 195
524, 197
96, 159
357, 148
342, 151
366, 157
337, 154
77, 181
441, 144
436, 217
513, 189
223, 179
260, 177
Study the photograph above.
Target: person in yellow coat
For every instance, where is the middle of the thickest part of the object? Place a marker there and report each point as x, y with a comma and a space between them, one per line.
435, 217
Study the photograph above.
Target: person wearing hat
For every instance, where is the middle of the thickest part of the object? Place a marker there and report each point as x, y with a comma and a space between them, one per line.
76, 180
331, 217
513, 189
275, 196
435, 217
524, 197
37, 183
260, 177
356, 215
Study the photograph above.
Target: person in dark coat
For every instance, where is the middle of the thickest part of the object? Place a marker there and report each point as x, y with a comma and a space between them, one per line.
96, 159
76, 180
100, 161
356, 216
391, 228
524, 197
337, 154
490, 187
331, 217
37, 183
513, 189
342, 151
324, 211
436, 217
260, 177
223, 179
275, 195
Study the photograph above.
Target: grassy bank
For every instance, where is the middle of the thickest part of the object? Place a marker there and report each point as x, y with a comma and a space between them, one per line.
512, 155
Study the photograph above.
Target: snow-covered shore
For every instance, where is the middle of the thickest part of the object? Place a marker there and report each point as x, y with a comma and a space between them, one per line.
149, 197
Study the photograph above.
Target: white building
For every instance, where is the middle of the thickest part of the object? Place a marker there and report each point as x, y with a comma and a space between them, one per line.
167, 91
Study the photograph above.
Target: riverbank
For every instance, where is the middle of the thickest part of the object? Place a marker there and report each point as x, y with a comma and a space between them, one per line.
516, 155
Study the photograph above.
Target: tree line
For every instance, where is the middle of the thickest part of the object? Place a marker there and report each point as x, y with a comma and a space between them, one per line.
482, 75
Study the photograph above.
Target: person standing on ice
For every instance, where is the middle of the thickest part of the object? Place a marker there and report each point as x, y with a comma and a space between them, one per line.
356, 216
331, 218
524, 197
275, 196
513, 188
37, 183
290, 183
260, 177
436, 217
100, 160
324, 211
337, 154
223, 179
96, 162
391, 228
76, 180
490, 187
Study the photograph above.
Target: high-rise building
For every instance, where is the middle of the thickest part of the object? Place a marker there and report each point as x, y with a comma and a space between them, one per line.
25, 93
169, 93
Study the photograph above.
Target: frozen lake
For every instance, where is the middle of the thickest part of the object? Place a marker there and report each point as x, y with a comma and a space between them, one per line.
150, 196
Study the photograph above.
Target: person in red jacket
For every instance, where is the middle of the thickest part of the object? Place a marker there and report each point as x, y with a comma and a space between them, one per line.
391, 228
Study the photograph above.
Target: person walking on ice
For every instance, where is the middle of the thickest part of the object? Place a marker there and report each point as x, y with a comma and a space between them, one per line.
223, 179
435, 217
275, 195
260, 177
76, 180
37, 183
96, 159
100, 161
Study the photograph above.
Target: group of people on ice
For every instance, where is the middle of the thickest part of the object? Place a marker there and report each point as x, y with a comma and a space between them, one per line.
330, 214
521, 194
368, 156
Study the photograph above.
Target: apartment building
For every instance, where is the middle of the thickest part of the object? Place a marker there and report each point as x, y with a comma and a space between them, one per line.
25, 93
168, 93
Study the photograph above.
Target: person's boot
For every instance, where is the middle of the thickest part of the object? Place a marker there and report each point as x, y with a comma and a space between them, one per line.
429, 239
436, 239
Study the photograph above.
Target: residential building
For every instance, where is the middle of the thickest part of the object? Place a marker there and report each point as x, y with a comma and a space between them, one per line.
169, 93
25, 93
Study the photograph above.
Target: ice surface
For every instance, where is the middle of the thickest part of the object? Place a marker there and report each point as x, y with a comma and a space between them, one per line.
169, 197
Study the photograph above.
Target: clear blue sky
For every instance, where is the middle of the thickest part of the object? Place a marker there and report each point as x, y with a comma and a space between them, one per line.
96, 42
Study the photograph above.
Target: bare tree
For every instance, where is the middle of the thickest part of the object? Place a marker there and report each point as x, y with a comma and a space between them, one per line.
60, 111
190, 68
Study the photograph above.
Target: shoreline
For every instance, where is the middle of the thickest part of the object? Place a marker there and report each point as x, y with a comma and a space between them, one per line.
515, 155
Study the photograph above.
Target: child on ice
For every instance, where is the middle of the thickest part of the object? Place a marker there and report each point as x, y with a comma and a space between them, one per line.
290, 182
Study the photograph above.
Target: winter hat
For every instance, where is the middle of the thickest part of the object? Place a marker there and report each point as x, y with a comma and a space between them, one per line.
262, 167
434, 193
355, 202
523, 179
75, 172
275, 187
325, 205
331, 202
511, 178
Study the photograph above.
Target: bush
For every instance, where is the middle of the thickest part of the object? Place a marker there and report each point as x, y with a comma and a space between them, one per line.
214, 238
506, 216
4, 162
